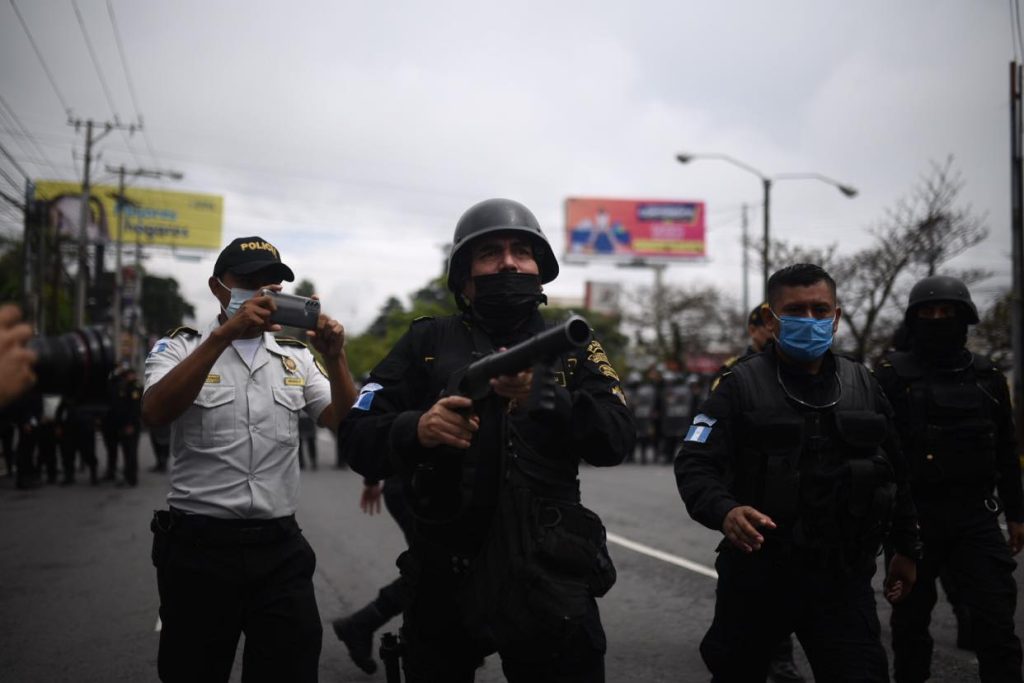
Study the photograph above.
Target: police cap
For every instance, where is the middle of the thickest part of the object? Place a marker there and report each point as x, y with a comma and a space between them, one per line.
247, 255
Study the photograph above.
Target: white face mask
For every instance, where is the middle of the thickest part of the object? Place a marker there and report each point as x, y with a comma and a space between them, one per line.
238, 297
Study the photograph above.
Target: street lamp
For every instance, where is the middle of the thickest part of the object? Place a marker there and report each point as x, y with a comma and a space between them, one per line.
766, 183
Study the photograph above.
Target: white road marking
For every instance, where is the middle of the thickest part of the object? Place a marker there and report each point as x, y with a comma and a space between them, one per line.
663, 556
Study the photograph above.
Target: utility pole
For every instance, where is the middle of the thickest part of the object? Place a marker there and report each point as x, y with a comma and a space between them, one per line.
746, 261
1017, 246
81, 281
122, 202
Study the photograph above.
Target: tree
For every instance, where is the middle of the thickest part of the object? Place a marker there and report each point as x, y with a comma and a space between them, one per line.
305, 288
919, 234
163, 307
991, 336
687, 320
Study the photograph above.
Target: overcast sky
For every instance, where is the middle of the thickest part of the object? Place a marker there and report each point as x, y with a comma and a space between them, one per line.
353, 135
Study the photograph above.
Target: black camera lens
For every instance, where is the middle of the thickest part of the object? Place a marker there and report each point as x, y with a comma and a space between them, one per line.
74, 364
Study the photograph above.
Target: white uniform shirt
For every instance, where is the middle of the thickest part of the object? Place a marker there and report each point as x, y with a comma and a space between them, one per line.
235, 449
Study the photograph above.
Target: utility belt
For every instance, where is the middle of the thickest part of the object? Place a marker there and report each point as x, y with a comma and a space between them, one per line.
214, 531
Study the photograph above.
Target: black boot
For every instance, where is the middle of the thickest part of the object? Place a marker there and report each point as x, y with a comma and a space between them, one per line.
356, 631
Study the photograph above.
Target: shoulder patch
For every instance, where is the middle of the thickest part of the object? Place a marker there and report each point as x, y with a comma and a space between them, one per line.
184, 330
597, 356
718, 380
291, 341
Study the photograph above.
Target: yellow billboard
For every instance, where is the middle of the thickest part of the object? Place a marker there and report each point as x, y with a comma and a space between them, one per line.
152, 217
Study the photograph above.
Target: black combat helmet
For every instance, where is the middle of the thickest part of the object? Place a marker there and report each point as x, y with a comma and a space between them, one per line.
941, 288
497, 215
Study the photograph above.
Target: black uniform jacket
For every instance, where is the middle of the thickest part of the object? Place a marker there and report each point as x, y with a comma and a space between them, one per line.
708, 461
379, 435
946, 403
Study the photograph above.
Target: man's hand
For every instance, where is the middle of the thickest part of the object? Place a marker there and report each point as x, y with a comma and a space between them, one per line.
514, 387
369, 502
900, 578
1015, 531
16, 374
448, 423
252, 316
740, 527
329, 336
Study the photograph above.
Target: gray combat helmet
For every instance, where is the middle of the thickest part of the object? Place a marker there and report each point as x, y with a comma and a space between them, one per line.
941, 288
497, 215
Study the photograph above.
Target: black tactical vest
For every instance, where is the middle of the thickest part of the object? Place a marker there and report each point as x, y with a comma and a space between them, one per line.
821, 474
462, 484
947, 425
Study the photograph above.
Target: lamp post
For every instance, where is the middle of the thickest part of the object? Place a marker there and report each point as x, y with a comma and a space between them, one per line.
766, 184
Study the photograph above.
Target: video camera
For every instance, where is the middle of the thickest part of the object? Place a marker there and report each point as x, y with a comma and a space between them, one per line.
293, 310
75, 363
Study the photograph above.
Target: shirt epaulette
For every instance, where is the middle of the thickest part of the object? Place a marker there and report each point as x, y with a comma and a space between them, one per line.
184, 329
291, 341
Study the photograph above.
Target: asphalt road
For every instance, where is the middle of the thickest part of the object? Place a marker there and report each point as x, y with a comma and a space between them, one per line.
78, 599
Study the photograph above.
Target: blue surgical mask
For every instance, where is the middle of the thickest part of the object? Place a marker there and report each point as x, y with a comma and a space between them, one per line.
238, 297
804, 339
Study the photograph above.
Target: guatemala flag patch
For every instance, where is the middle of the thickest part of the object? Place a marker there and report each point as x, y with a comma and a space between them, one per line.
700, 430
366, 396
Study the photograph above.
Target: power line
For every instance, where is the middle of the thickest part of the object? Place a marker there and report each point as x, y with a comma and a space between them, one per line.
14, 162
1015, 28
39, 55
128, 77
9, 179
21, 126
102, 79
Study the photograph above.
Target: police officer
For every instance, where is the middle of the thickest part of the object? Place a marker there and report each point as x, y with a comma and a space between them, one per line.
356, 630
477, 473
229, 555
795, 459
675, 413
110, 423
758, 335
643, 399
77, 420
126, 411
782, 667
956, 427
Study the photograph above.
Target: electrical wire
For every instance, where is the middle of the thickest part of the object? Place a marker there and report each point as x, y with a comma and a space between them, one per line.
128, 79
102, 79
12, 181
4, 106
39, 55
14, 162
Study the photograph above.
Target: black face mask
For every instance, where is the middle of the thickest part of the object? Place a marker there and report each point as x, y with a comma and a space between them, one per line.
939, 338
506, 300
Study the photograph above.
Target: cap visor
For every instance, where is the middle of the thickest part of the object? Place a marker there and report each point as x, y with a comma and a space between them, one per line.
272, 268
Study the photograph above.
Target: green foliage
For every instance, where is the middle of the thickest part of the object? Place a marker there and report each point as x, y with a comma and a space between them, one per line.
305, 288
163, 307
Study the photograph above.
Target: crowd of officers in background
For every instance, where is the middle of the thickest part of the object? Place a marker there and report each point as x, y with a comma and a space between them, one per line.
50, 439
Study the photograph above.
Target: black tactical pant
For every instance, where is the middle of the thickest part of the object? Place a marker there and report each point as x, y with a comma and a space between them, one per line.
130, 451
963, 539
764, 597
221, 578
439, 647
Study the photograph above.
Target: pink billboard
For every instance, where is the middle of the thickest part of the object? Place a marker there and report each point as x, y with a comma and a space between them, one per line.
633, 228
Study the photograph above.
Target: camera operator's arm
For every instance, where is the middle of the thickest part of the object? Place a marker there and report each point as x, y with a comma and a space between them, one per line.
16, 360
172, 394
329, 340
